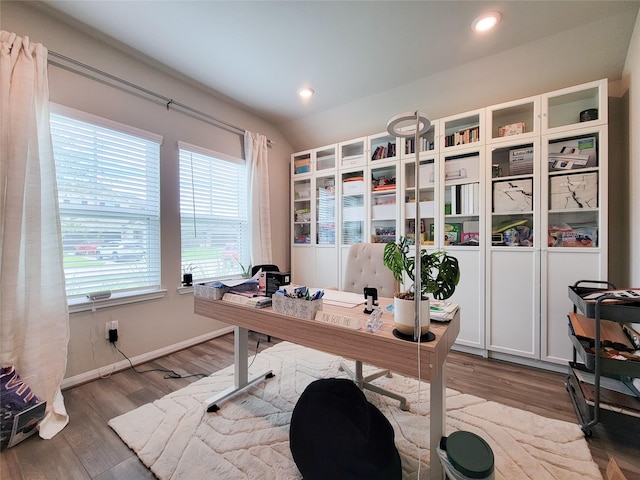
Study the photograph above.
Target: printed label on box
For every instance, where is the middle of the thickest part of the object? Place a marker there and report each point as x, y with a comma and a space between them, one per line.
521, 161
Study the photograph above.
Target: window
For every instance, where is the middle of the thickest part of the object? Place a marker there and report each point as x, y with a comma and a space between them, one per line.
213, 213
109, 196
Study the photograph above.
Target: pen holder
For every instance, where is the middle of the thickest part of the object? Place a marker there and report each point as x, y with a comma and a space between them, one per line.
296, 307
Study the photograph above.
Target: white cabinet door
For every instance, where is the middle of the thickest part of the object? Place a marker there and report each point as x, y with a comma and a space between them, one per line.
470, 296
302, 265
560, 269
326, 267
514, 302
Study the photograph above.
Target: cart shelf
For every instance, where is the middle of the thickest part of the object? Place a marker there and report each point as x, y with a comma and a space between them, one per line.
610, 307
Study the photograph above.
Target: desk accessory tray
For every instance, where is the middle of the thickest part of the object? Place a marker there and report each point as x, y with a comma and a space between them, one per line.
617, 310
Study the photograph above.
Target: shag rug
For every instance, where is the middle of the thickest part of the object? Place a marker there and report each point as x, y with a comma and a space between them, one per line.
248, 438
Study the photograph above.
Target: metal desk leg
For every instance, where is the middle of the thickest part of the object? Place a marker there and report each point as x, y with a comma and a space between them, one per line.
241, 371
437, 423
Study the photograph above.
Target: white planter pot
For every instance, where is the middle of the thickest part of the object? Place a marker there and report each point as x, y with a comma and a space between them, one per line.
404, 316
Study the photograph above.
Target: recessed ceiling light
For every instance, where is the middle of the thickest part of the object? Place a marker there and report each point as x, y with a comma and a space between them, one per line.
486, 21
306, 92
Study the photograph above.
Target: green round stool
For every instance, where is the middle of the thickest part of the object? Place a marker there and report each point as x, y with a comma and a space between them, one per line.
465, 456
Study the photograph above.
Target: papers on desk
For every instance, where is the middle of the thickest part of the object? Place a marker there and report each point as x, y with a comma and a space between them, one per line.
342, 299
234, 282
440, 311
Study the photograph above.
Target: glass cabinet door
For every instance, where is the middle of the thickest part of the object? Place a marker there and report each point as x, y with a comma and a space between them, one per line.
460, 131
302, 211
513, 187
426, 196
382, 147
573, 190
353, 211
352, 153
575, 107
326, 158
384, 204
462, 199
301, 164
427, 143
326, 210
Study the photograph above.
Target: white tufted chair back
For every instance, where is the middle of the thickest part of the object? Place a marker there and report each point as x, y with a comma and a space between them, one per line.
365, 268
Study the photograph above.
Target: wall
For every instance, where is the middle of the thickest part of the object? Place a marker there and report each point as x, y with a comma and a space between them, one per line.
631, 80
512, 74
148, 328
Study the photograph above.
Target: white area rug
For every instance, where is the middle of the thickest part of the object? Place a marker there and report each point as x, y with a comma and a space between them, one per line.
249, 437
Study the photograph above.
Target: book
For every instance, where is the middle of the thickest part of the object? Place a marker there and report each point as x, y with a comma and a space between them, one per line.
254, 302
26, 422
452, 233
442, 311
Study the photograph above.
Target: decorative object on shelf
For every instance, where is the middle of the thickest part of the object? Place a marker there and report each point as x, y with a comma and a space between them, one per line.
511, 129
439, 275
589, 114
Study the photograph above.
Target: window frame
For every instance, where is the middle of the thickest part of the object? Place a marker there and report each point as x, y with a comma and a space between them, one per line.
243, 192
79, 301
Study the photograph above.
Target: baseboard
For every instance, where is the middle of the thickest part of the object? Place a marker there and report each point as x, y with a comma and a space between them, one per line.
530, 362
481, 352
137, 360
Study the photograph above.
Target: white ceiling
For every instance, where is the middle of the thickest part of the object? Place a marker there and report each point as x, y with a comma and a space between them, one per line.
260, 53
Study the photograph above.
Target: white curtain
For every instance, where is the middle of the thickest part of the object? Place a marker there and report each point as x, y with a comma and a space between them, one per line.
255, 148
34, 318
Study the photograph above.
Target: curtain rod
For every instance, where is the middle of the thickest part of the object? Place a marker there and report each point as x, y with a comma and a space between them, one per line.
168, 102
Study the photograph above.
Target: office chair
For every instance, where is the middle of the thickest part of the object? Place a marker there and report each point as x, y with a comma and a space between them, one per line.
265, 268
365, 268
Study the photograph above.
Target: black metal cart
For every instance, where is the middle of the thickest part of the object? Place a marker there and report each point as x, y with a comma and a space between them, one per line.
623, 311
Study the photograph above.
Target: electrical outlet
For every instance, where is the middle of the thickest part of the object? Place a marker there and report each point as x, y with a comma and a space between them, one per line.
112, 325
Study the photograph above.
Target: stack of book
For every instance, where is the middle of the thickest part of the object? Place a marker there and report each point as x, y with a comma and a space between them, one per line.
461, 137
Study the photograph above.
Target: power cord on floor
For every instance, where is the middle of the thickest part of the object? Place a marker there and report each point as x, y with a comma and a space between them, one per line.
169, 373
257, 348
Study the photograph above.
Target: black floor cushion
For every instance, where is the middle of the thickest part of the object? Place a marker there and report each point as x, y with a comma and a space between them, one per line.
337, 434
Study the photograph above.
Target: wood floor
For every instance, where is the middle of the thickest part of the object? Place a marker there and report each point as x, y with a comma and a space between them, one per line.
88, 449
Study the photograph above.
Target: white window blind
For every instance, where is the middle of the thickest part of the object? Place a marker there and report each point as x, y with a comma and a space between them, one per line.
108, 179
213, 213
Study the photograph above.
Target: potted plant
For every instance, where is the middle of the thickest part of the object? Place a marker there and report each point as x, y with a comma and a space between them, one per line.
439, 275
187, 275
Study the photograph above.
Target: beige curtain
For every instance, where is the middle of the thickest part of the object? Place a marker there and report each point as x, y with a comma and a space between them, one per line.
34, 322
256, 154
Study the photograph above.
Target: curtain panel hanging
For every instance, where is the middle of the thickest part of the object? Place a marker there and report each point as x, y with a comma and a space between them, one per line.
34, 321
256, 153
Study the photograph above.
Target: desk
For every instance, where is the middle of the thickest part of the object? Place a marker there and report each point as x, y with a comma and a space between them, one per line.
381, 349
